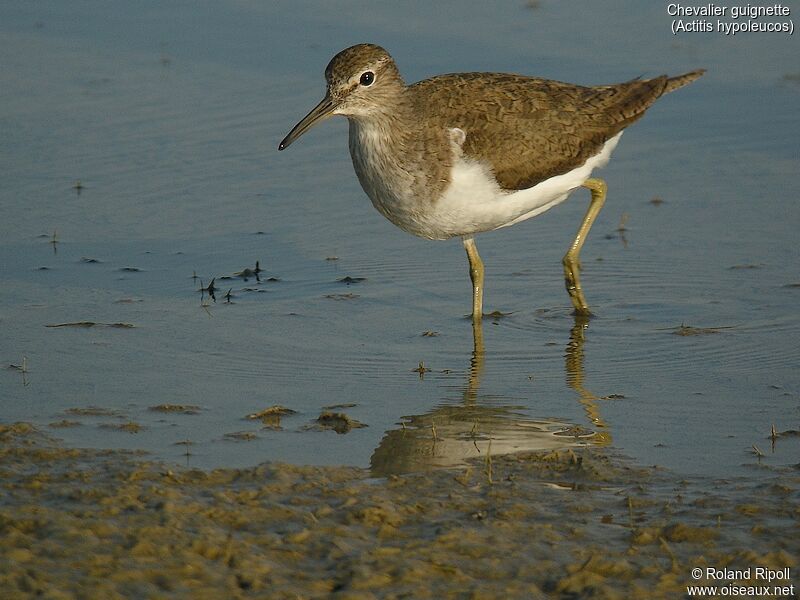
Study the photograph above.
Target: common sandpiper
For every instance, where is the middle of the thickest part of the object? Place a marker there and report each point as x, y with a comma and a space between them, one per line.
459, 154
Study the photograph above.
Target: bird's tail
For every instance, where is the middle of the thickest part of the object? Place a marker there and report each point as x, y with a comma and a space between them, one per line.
674, 83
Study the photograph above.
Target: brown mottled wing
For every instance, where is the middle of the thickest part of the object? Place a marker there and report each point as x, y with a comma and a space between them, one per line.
529, 129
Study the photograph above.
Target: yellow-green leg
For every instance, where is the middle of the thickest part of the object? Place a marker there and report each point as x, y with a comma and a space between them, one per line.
571, 259
476, 275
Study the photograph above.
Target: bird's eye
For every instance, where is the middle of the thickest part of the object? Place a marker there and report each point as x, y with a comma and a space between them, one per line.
367, 78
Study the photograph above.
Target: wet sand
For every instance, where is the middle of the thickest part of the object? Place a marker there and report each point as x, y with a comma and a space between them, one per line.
578, 523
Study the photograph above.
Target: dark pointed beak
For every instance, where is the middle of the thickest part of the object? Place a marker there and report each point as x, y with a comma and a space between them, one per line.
320, 112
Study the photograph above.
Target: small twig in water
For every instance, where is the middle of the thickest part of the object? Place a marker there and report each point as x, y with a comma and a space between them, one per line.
630, 511
758, 452
669, 551
489, 462
421, 369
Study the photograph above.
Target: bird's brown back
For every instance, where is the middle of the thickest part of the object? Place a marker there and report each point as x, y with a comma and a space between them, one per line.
529, 129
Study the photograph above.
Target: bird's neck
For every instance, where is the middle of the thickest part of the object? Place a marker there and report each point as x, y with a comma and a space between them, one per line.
388, 127
391, 151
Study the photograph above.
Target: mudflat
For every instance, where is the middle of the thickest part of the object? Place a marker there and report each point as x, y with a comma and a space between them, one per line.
564, 524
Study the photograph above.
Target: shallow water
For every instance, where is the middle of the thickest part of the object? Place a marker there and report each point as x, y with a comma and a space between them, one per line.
169, 117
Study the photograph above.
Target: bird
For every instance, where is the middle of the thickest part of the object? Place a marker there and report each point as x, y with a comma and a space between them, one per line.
460, 154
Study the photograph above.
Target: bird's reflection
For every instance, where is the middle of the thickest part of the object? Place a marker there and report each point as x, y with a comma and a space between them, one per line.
575, 374
450, 434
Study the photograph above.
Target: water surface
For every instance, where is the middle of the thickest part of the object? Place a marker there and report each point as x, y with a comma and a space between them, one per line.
169, 117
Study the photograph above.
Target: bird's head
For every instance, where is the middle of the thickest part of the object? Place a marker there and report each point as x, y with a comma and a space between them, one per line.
362, 81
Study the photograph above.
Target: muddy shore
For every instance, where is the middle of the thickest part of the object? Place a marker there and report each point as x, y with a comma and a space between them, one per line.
567, 524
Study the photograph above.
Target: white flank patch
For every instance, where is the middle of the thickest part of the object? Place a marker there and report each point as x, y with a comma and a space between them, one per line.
473, 202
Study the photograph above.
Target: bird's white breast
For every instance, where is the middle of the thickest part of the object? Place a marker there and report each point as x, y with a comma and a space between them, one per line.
396, 189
